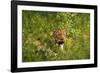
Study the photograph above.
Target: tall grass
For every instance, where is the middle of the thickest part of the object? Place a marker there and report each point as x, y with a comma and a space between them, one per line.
40, 24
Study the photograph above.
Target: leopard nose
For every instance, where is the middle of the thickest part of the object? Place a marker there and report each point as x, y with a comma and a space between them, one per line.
61, 39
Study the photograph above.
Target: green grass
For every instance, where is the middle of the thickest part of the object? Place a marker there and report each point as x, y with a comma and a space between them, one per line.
39, 24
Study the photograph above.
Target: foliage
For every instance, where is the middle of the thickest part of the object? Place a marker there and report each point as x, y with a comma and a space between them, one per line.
40, 24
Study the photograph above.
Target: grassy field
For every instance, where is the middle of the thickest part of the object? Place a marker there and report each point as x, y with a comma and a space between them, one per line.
40, 25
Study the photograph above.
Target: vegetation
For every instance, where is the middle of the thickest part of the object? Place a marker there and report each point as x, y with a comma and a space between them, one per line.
37, 40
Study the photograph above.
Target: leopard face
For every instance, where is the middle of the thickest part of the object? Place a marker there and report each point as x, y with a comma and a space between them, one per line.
59, 36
